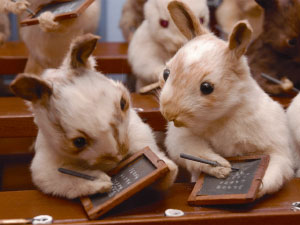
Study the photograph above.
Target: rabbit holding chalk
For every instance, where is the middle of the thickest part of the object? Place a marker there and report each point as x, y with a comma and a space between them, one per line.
85, 123
157, 39
48, 42
215, 107
15, 7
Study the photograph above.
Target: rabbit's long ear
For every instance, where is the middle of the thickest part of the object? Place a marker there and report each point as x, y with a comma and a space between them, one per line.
240, 38
185, 20
81, 49
31, 87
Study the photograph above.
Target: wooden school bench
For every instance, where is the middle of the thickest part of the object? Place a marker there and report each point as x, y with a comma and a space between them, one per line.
148, 207
111, 58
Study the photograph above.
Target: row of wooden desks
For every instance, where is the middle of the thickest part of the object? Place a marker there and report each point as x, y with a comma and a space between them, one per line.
111, 58
148, 207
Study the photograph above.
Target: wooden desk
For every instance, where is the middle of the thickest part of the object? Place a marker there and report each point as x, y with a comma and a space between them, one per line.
148, 207
13, 57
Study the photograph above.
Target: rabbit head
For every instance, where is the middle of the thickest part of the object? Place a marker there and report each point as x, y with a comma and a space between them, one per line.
282, 26
163, 29
82, 116
203, 82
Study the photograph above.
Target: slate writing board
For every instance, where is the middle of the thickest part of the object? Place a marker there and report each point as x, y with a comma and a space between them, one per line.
239, 187
62, 9
129, 177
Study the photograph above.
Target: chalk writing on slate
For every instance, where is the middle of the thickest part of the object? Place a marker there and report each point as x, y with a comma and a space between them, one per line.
129, 175
61, 7
238, 182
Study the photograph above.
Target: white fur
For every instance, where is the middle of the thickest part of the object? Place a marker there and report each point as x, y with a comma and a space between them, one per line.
49, 41
236, 119
152, 45
85, 103
293, 115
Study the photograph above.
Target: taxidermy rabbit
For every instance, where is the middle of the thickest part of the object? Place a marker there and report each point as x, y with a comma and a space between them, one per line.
231, 11
293, 115
14, 7
158, 39
4, 28
48, 42
85, 124
216, 109
132, 17
276, 51
7, 6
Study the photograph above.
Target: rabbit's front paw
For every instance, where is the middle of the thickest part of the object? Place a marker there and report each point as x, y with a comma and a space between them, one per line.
103, 184
20, 6
220, 172
169, 179
47, 22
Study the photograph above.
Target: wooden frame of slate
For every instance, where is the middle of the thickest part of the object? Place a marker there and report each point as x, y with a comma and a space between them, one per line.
129, 177
62, 9
235, 189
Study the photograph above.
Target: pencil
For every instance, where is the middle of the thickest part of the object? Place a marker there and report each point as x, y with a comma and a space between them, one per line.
197, 159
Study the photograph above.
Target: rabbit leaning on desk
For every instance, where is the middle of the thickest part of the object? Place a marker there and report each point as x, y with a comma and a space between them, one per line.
85, 123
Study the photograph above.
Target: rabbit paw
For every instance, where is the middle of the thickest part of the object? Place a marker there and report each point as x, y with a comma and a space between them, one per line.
47, 23
168, 180
286, 84
220, 172
19, 6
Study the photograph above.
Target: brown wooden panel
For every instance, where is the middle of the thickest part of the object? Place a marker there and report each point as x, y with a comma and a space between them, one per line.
148, 207
111, 57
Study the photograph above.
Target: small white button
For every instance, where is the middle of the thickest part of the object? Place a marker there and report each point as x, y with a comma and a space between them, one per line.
174, 212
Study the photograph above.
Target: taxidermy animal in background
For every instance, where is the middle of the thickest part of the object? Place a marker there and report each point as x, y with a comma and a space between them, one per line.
49, 41
7, 6
158, 39
276, 51
13, 7
85, 123
132, 17
232, 11
293, 115
4, 28
216, 109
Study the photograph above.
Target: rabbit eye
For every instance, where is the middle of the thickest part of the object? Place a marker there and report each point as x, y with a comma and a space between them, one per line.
80, 142
166, 74
122, 103
206, 88
202, 20
292, 42
164, 23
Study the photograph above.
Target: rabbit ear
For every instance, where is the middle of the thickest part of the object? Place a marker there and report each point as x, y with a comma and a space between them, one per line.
81, 49
30, 87
240, 38
185, 20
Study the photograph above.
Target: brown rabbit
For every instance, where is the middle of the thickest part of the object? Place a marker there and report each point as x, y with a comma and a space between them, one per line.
276, 51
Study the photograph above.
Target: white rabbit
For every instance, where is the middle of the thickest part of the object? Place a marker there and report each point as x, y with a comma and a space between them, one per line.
15, 7
217, 109
158, 39
49, 41
85, 123
293, 115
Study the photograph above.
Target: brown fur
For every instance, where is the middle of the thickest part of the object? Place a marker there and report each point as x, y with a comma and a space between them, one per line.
271, 52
